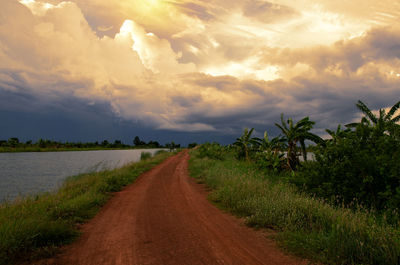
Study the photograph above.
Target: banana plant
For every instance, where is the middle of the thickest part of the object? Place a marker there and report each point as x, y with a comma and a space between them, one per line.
384, 123
270, 155
338, 134
246, 143
294, 133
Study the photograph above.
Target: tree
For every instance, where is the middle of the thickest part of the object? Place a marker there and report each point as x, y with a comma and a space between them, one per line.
153, 144
172, 146
136, 141
41, 143
192, 145
269, 155
359, 165
338, 134
118, 144
105, 143
385, 123
245, 143
13, 142
274, 145
294, 134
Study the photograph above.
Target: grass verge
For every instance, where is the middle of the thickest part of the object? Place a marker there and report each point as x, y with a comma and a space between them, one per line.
307, 226
35, 226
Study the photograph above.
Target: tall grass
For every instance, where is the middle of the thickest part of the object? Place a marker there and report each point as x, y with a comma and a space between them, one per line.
307, 226
145, 155
36, 225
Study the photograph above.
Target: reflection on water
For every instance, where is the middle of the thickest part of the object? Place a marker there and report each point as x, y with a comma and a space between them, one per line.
30, 173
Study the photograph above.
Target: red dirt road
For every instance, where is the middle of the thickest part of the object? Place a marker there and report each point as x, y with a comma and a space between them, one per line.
165, 218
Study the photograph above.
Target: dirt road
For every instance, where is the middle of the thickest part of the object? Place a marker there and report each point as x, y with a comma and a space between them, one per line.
165, 218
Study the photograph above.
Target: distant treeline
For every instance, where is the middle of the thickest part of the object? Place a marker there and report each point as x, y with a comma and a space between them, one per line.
14, 143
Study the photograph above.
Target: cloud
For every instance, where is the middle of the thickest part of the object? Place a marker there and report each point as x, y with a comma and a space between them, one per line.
104, 28
196, 66
197, 10
268, 12
61, 55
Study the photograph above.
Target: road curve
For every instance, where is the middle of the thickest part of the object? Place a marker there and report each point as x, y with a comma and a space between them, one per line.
165, 218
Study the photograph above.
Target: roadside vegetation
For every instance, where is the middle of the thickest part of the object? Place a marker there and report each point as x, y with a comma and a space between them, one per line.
36, 226
339, 208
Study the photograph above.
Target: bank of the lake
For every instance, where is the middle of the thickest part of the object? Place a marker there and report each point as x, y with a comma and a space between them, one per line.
305, 225
36, 226
22, 174
62, 149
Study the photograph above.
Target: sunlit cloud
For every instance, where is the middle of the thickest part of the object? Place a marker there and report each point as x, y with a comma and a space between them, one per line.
217, 66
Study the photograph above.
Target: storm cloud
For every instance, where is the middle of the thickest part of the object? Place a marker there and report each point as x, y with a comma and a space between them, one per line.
196, 67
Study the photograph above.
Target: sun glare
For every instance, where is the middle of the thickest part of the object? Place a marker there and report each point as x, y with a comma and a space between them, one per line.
152, 2
147, 7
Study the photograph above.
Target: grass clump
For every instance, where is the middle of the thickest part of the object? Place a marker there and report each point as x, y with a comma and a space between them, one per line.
145, 155
37, 225
307, 226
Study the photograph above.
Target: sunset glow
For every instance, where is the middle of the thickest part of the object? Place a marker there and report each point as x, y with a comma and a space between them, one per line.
202, 66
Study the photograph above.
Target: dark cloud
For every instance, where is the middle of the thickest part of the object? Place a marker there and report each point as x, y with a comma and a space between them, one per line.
196, 10
268, 12
329, 101
185, 102
70, 119
377, 45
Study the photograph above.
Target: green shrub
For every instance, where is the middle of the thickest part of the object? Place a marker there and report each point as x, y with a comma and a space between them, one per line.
360, 167
212, 151
145, 155
274, 161
160, 152
192, 145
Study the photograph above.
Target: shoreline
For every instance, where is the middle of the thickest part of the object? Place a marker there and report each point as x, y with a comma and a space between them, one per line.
37, 226
42, 150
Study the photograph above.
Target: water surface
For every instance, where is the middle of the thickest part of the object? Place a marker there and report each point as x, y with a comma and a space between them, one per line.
31, 173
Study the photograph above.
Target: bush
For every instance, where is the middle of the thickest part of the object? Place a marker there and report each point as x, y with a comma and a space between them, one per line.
274, 161
192, 145
360, 167
160, 152
212, 151
145, 155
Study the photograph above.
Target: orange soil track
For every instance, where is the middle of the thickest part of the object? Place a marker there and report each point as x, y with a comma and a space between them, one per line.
165, 218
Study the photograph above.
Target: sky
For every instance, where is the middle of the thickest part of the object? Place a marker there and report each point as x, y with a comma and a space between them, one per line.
191, 70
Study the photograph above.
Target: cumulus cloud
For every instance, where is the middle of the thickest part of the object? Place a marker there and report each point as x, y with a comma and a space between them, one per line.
268, 12
60, 55
199, 65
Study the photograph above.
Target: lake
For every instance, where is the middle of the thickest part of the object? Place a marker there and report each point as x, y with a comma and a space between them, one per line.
23, 174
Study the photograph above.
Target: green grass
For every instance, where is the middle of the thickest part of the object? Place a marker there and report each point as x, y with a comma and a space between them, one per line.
35, 226
145, 155
306, 226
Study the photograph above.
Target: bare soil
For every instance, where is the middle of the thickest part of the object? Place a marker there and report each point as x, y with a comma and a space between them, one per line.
165, 218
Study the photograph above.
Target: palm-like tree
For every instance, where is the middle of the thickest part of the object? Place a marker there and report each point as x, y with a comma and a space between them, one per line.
294, 133
245, 142
274, 145
385, 122
270, 151
338, 134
